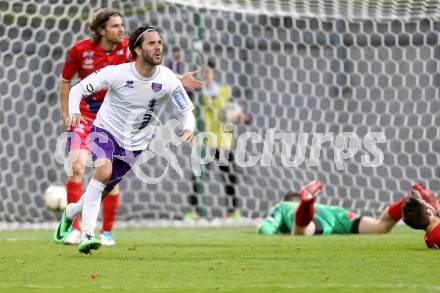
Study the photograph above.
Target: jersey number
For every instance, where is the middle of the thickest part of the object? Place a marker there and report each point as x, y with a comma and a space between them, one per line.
147, 117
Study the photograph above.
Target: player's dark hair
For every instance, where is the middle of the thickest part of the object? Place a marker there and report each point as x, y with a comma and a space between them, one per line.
291, 196
136, 38
414, 213
98, 22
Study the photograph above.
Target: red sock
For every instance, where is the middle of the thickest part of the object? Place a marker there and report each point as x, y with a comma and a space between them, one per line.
305, 212
395, 209
74, 193
110, 207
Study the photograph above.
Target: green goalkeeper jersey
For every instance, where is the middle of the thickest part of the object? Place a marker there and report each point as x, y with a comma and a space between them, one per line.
281, 219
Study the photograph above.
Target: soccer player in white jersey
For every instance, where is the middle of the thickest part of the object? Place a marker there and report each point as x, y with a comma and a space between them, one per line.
136, 91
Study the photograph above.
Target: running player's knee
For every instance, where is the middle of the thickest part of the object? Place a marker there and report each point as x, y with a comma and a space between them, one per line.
78, 168
103, 173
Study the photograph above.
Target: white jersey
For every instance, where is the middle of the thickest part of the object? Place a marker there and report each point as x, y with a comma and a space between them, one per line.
134, 102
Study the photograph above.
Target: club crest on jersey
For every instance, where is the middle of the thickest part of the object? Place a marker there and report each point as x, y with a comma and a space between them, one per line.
129, 84
88, 54
156, 87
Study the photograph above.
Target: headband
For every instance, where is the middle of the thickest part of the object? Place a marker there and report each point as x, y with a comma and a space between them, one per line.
146, 31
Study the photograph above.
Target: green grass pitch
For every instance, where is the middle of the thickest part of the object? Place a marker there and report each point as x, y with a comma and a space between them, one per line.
220, 259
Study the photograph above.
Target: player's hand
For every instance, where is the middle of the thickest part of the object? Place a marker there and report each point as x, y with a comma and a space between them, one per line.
190, 82
187, 135
74, 121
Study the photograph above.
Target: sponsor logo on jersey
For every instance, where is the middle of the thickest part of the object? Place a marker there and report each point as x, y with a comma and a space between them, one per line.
88, 61
129, 84
156, 87
120, 52
88, 54
179, 98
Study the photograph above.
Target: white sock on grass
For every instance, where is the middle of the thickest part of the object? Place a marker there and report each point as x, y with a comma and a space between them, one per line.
91, 205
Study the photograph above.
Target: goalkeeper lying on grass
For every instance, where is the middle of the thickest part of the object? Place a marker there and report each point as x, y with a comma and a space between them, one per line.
299, 215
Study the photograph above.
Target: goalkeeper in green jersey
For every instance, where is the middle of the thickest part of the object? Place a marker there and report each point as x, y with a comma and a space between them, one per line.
299, 215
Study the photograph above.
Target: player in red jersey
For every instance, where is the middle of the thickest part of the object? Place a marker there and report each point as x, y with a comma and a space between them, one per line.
420, 212
107, 45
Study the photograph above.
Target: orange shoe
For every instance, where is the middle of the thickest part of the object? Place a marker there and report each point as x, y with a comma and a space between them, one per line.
310, 191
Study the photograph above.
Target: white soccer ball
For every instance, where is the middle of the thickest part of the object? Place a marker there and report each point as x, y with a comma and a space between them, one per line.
55, 198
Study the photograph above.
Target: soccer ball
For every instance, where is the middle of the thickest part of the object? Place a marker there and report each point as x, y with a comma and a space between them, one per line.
55, 198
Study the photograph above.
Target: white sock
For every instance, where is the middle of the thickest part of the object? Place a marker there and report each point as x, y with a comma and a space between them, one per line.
91, 205
74, 209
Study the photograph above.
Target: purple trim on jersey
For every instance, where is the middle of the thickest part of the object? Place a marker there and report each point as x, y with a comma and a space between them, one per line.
103, 145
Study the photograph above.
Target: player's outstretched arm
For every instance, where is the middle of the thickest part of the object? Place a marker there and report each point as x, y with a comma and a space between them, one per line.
190, 81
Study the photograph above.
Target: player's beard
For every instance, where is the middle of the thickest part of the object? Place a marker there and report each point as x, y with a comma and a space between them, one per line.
150, 59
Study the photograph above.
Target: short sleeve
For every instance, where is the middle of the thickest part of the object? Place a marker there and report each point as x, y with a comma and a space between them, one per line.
72, 64
98, 80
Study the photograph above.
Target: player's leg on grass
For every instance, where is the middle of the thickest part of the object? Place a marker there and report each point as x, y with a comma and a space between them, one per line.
78, 153
112, 162
92, 203
306, 210
72, 211
110, 207
77, 157
390, 216
74, 188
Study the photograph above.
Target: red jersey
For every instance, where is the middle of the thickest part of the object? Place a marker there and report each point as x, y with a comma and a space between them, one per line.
432, 239
86, 57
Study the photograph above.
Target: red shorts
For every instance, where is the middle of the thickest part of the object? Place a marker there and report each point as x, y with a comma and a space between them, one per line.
78, 137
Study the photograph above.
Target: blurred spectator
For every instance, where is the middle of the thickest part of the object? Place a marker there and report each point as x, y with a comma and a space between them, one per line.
220, 114
175, 63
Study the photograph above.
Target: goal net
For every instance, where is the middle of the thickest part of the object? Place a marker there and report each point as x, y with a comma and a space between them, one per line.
332, 72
